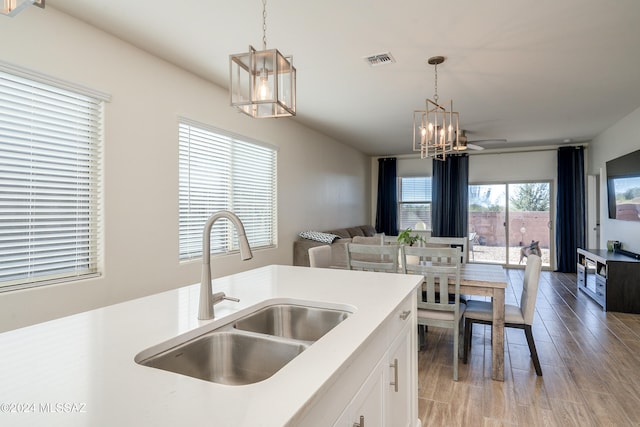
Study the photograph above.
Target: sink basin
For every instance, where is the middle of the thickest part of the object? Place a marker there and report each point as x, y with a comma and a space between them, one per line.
292, 321
228, 357
247, 350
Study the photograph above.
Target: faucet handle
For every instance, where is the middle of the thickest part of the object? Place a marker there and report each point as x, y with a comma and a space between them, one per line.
219, 296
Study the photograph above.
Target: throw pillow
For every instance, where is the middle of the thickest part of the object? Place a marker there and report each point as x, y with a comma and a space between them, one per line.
319, 237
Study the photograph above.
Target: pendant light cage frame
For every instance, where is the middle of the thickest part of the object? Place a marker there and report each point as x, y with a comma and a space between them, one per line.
262, 83
436, 129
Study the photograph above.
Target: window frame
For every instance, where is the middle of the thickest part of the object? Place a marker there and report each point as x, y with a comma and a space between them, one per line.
52, 135
240, 161
402, 203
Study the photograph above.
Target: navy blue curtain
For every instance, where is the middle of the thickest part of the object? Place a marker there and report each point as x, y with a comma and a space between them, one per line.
450, 196
387, 207
570, 208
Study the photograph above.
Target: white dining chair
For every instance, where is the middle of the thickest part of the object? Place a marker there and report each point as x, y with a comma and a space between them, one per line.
520, 317
372, 257
438, 275
320, 256
462, 242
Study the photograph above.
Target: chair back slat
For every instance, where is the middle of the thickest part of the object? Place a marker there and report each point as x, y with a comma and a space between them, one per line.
372, 257
430, 285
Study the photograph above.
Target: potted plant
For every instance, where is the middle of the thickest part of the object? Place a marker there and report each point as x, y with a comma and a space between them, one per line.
406, 238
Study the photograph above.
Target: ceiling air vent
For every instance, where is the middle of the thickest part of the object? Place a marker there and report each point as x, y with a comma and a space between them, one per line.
380, 59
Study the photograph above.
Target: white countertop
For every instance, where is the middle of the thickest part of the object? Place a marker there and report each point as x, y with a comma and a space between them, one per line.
80, 370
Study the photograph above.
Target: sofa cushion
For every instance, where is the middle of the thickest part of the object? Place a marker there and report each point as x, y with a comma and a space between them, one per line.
369, 240
368, 230
319, 237
355, 231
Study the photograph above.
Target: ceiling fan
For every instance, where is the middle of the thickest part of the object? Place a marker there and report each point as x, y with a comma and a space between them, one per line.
464, 141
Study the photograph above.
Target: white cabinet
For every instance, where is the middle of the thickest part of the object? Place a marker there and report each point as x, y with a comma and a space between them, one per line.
384, 377
367, 407
402, 379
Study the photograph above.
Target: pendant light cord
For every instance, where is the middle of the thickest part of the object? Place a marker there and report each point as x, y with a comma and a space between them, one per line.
264, 24
435, 96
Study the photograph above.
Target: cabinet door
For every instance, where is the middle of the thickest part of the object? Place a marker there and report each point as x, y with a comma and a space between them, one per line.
368, 402
402, 377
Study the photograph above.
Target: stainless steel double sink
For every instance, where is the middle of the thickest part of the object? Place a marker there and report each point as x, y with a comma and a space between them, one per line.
249, 349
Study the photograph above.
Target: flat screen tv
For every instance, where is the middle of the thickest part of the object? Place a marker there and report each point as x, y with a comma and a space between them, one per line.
623, 187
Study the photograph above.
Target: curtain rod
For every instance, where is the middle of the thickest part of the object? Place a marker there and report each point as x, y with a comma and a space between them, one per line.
500, 151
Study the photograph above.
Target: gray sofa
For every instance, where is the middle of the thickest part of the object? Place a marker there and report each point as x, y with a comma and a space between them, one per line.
301, 246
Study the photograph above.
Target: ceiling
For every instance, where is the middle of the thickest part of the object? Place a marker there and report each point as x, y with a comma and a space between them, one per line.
535, 73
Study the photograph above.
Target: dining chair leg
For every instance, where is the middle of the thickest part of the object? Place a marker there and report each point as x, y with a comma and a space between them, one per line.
532, 349
466, 346
456, 344
461, 330
422, 337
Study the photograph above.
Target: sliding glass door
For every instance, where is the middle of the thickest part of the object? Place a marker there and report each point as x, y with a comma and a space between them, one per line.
487, 213
506, 219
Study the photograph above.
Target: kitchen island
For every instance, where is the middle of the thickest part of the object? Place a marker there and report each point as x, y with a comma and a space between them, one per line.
80, 370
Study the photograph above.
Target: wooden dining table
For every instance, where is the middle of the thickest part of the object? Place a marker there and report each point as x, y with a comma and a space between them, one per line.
489, 280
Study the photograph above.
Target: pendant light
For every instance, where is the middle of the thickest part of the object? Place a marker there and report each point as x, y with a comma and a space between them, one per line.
13, 7
435, 129
263, 83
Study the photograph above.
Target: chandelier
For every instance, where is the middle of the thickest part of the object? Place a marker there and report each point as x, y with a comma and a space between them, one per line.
435, 129
13, 7
263, 83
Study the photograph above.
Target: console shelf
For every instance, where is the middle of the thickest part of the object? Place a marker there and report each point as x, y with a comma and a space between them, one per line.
611, 279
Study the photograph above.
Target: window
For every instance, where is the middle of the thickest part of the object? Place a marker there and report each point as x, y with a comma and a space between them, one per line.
414, 203
218, 171
50, 183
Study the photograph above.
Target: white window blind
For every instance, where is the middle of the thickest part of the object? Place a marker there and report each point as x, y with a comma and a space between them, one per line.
415, 202
50, 157
219, 170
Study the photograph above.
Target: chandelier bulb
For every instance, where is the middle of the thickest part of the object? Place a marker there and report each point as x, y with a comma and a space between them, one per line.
263, 88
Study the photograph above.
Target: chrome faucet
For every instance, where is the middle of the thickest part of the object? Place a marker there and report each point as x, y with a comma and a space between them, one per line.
207, 298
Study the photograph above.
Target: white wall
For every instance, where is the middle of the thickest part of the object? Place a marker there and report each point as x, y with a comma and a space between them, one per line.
322, 183
510, 167
620, 139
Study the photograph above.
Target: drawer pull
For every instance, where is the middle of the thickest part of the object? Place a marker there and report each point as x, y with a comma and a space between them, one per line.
394, 383
405, 314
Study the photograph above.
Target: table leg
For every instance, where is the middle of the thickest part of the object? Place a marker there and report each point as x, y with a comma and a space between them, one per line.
497, 335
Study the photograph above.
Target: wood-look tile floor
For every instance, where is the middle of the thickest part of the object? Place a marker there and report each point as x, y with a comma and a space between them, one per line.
590, 364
